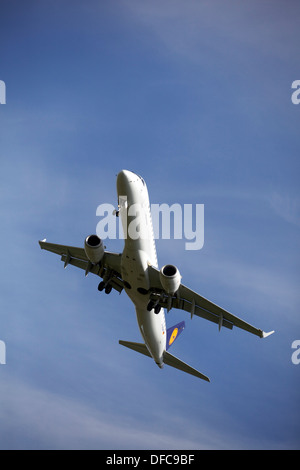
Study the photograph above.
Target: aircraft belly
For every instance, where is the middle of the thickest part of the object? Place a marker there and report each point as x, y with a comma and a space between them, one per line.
138, 253
136, 283
134, 266
153, 330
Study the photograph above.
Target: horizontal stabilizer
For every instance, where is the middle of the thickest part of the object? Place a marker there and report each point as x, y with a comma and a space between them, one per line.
139, 347
173, 361
169, 359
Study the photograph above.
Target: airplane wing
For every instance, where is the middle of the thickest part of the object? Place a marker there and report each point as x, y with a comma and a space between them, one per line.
109, 268
195, 304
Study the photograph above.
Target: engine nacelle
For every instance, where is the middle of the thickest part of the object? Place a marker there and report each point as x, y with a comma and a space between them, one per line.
170, 278
94, 248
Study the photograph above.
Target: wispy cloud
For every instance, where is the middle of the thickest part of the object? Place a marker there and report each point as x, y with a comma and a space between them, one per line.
285, 206
56, 421
38, 419
185, 29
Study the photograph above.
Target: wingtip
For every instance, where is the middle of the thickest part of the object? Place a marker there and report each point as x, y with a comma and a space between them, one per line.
41, 242
265, 335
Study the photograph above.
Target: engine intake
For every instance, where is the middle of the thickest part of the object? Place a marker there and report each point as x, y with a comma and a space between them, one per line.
170, 278
94, 248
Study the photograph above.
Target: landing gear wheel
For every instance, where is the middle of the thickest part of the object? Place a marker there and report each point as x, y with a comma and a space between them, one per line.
101, 286
108, 289
150, 306
157, 309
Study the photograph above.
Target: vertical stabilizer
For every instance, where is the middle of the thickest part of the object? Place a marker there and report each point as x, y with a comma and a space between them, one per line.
173, 333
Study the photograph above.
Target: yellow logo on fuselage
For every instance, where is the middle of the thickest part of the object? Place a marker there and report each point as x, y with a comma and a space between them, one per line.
173, 336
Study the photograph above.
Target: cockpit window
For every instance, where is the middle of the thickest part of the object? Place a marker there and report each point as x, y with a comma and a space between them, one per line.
142, 179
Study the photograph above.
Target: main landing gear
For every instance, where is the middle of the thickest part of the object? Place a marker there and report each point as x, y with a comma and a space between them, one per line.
103, 286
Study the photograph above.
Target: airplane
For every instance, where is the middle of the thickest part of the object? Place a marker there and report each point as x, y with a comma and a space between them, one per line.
152, 290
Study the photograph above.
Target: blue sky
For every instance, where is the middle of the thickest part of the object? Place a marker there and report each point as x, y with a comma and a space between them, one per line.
196, 97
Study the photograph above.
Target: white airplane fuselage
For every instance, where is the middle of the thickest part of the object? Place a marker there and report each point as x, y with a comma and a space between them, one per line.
140, 252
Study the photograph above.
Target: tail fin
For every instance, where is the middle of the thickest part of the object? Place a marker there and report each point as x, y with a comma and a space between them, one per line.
169, 359
174, 332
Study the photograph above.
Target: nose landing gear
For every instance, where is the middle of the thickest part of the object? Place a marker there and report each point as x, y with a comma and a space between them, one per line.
151, 305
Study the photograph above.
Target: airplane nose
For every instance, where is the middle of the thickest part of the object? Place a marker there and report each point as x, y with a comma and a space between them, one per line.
128, 174
124, 178
122, 181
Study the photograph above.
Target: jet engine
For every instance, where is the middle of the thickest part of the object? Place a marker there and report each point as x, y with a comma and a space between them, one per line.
170, 278
94, 248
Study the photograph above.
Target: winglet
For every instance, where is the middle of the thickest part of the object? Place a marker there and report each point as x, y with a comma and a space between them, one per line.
41, 243
265, 335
